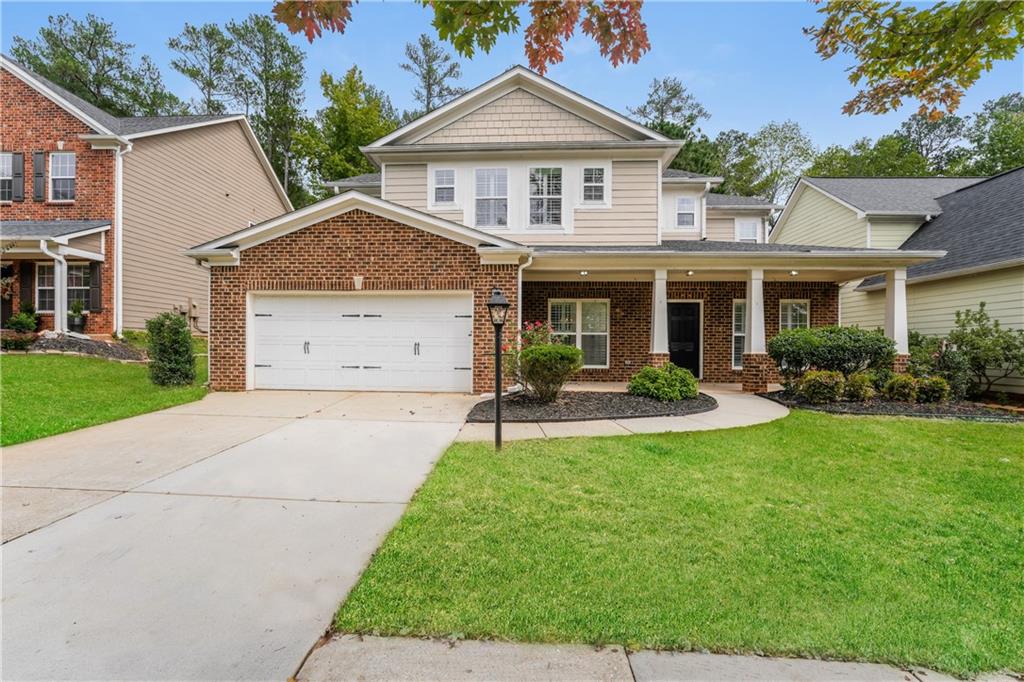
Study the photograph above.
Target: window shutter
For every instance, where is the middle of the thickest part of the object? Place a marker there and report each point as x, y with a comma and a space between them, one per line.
95, 287
27, 291
18, 176
38, 176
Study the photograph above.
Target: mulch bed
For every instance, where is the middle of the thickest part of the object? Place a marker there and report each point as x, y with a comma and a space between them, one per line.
950, 410
586, 406
103, 349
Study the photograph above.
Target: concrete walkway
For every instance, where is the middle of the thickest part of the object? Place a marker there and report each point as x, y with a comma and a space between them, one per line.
735, 408
396, 659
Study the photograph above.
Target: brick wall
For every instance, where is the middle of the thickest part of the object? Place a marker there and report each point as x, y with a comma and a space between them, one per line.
631, 317
326, 256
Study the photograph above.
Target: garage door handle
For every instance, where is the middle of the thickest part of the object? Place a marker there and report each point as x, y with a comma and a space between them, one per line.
371, 366
262, 365
350, 366
263, 315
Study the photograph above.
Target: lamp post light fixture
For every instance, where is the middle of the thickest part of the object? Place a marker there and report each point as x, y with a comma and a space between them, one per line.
498, 307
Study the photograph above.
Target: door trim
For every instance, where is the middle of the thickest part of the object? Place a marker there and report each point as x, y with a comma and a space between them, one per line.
700, 322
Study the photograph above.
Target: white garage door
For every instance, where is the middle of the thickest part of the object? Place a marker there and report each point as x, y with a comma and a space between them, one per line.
411, 342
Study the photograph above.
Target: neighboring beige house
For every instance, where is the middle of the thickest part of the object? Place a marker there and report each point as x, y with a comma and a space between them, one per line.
979, 222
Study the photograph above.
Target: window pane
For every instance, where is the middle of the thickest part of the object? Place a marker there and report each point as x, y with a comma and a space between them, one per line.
595, 316
748, 231
564, 339
63, 189
595, 349
45, 301
795, 315
686, 204
492, 212
6, 165
737, 350
684, 220
78, 275
593, 193
6, 190
593, 175
444, 195
62, 165
78, 295
563, 317
491, 182
739, 313
444, 177
44, 275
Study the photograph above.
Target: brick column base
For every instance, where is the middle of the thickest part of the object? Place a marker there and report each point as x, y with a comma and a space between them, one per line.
900, 364
758, 368
657, 359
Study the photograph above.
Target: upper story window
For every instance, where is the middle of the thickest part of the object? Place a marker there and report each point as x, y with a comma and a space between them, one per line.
546, 196
794, 315
62, 176
686, 212
444, 186
492, 197
594, 191
748, 230
6, 176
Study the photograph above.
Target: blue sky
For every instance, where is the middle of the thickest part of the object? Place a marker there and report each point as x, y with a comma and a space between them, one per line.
748, 63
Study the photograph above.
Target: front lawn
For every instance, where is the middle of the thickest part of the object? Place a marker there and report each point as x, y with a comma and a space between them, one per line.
42, 395
878, 539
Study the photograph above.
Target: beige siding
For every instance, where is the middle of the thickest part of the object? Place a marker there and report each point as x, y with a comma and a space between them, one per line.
90, 242
722, 229
820, 221
182, 189
406, 184
891, 235
931, 306
633, 217
519, 116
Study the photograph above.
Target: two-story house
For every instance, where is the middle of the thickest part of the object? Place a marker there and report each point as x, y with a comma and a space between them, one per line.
568, 208
977, 221
98, 208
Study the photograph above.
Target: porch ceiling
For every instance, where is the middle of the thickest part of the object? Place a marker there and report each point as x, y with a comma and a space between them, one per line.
706, 275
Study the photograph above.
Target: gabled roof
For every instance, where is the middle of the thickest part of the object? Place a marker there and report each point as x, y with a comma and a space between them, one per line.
720, 201
980, 227
891, 196
48, 229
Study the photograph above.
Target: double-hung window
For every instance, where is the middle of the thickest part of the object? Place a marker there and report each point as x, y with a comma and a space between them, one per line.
62, 176
594, 186
794, 315
748, 230
546, 197
44, 287
6, 176
584, 324
739, 332
444, 186
491, 197
79, 280
686, 213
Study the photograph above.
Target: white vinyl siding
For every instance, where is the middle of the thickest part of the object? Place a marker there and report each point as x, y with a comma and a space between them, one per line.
794, 314
817, 220
739, 331
62, 176
545, 197
491, 188
584, 324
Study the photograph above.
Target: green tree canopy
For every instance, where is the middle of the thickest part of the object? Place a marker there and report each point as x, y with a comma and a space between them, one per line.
205, 58
434, 70
996, 136
889, 156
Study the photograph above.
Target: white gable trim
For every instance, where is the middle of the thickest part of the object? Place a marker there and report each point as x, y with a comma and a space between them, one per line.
504, 83
54, 97
341, 204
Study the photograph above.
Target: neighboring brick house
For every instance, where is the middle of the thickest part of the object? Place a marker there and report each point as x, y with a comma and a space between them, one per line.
100, 209
565, 206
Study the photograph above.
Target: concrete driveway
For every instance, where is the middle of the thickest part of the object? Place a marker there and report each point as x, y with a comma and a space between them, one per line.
209, 541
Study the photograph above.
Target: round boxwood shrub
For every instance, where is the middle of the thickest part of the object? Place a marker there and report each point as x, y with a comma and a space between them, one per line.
859, 388
822, 386
932, 390
546, 367
171, 359
667, 384
852, 349
794, 351
901, 388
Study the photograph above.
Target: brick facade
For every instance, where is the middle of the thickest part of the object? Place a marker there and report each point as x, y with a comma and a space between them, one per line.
326, 256
30, 122
630, 323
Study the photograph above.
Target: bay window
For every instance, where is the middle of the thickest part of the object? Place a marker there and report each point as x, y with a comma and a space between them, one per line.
491, 197
794, 315
584, 324
62, 176
546, 197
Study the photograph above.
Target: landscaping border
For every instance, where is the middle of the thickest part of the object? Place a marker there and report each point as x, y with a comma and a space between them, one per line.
616, 404
966, 411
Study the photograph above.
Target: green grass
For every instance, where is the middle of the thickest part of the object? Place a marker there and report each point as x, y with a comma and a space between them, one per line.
890, 540
42, 395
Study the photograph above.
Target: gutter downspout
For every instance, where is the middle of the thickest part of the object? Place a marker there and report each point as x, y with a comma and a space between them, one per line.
60, 288
119, 239
704, 212
519, 296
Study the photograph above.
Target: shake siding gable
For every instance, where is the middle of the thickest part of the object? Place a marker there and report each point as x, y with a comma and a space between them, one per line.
818, 220
182, 189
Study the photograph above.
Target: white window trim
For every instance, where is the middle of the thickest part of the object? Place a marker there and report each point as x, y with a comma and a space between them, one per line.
784, 301
508, 191
759, 239
607, 183
541, 227
50, 178
35, 286
579, 326
71, 264
741, 336
432, 186
696, 214
10, 177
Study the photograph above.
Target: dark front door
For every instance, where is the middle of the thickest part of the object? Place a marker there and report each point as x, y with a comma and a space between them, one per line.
6, 304
684, 336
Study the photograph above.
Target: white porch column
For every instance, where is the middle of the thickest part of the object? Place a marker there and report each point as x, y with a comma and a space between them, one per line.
659, 313
60, 295
896, 308
755, 341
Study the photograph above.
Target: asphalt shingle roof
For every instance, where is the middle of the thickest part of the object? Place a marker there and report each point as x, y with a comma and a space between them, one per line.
736, 200
676, 173
42, 229
364, 179
982, 224
892, 195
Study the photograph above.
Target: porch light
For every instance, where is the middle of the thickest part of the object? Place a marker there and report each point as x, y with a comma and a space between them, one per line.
584, 273
793, 273
689, 273
498, 308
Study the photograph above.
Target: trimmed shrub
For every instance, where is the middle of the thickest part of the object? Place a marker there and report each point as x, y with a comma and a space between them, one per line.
22, 322
794, 351
171, 360
859, 388
16, 340
954, 366
880, 377
852, 349
822, 386
932, 390
545, 368
923, 352
667, 384
901, 388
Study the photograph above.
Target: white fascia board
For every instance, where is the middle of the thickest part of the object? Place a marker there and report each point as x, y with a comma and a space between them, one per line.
64, 238
54, 97
79, 253
105, 141
184, 126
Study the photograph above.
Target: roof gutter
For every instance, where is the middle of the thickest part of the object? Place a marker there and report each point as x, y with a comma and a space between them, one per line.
1002, 265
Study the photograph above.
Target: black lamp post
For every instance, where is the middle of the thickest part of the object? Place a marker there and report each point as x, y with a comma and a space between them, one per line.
498, 308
